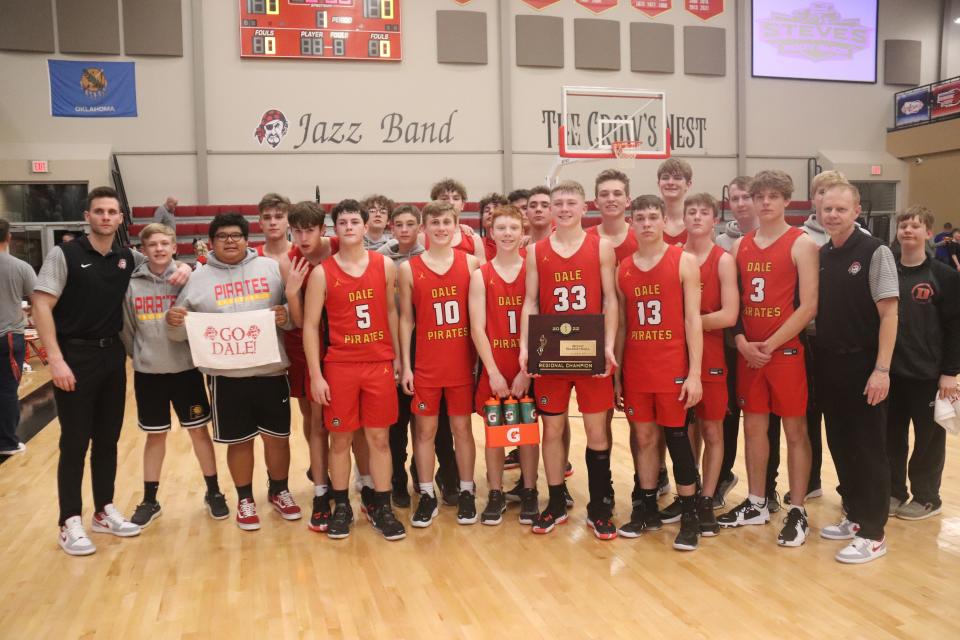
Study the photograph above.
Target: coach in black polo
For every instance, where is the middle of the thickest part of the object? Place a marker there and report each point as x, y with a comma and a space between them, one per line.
77, 306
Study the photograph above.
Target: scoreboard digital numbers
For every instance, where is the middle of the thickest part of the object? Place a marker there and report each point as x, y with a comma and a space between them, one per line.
320, 29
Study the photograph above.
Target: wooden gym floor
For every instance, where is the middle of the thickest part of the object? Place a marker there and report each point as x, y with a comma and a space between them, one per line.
188, 576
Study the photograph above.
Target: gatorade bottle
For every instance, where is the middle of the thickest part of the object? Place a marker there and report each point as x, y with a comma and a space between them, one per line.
528, 410
493, 412
511, 411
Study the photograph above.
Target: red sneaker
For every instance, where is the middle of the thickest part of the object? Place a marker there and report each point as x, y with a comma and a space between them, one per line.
247, 518
284, 504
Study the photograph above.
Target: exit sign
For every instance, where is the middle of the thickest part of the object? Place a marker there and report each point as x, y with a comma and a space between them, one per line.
876, 169
39, 166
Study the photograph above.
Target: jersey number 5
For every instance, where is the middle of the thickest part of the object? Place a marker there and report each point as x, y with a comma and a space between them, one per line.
579, 294
758, 293
363, 316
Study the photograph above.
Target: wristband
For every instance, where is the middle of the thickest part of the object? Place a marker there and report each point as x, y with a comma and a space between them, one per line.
881, 369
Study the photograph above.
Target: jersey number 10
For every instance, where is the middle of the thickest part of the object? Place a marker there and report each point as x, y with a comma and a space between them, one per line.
447, 312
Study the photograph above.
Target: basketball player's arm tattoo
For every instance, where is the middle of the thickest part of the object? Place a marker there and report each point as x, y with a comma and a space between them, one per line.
531, 304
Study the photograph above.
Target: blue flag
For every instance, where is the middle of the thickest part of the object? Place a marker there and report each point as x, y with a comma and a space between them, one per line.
81, 89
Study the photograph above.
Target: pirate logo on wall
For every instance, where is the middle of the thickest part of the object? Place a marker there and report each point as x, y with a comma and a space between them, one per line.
273, 126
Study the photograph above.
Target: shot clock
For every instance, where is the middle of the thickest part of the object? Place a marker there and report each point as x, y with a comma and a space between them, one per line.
320, 29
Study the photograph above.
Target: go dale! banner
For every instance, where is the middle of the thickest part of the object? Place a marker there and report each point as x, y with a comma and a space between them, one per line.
239, 340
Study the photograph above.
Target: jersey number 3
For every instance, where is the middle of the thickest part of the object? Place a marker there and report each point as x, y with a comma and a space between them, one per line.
758, 293
577, 292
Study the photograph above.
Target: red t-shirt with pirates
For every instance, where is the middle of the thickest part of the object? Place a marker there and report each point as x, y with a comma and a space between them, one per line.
504, 303
714, 363
622, 250
570, 285
655, 351
445, 354
356, 307
768, 287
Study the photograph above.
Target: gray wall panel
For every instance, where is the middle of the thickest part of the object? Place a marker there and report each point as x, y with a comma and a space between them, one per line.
539, 41
596, 44
26, 26
705, 51
901, 62
88, 26
652, 47
152, 27
462, 37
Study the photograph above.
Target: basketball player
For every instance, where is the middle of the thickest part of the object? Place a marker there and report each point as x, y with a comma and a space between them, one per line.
776, 264
163, 374
251, 401
660, 342
539, 214
518, 198
487, 204
405, 227
378, 207
434, 291
357, 385
674, 178
496, 300
452, 191
273, 210
719, 308
576, 270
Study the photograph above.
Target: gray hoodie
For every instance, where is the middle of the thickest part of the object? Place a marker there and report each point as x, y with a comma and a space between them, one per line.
254, 284
730, 235
144, 331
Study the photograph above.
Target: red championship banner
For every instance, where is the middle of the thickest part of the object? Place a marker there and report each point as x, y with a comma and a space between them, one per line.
652, 8
598, 6
945, 99
540, 4
704, 9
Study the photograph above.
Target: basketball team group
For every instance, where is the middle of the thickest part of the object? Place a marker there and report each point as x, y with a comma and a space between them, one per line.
403, 323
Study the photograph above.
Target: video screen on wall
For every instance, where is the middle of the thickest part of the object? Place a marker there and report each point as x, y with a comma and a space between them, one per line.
804, 40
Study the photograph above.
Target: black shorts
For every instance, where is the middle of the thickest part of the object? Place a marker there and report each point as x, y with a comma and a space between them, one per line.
244, 407
155, 392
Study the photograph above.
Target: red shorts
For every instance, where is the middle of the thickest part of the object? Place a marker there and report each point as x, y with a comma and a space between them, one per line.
713, 405
362, 394
298, 374
661, 408
483, 391
780, 387
594, 395
426, 400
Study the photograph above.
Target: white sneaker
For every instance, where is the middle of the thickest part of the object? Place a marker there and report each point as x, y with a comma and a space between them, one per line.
73, 539
111, 521
862, 550
843, 530
20, 448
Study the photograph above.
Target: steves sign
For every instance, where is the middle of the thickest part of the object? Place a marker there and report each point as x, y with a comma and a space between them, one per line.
704, 9
652, 8
598, 6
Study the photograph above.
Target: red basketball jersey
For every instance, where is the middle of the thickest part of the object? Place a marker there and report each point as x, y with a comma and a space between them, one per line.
678, 240
768, 286
293, 339
504, 302
655, 351
625, 248
714, 363
570, 285
357, 312
489, 248
466, 244
445, 353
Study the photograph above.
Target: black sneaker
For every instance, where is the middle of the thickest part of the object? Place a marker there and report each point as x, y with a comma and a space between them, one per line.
367, 504
496, 506
529, 506
743, 514
641, 520
567, 498
663, 483
216, 505
426, 511
449, 492
709, 526
339, 526
515, 494
611, 495
813, 491
547, 521
512, 461
400, 495
387, 524
320, 515
603, 528
795, 528
145, 513
724, 487
773, 501
686, 540
466, 508
672, 512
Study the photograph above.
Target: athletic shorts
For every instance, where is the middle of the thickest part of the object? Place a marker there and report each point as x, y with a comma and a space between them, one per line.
713, 405
426, 400
245, 407
362, 394
779, 387
483, 390
594, 395
663, 409
155, 392
298, 374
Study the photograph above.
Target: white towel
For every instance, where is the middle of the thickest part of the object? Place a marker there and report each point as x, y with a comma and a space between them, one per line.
946, 413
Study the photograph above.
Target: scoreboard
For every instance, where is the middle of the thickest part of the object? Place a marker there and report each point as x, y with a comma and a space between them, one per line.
320, 29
